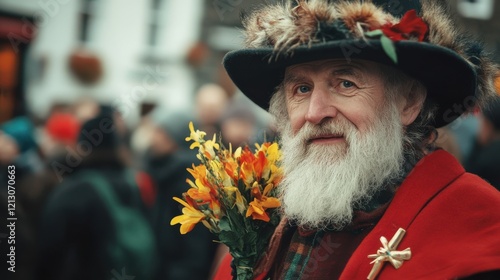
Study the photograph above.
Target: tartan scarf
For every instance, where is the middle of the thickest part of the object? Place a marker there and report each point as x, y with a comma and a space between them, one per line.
312, 254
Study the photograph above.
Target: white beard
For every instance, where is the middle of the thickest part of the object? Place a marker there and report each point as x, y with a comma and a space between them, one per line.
324, 182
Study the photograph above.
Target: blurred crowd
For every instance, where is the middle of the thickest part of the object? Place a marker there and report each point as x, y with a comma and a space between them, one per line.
94, 197
474, 139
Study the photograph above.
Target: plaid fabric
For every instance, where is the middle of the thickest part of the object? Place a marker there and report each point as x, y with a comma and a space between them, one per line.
322, 254
299, 254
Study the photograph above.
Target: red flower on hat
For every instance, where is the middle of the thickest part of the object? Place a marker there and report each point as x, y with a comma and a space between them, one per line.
410, 26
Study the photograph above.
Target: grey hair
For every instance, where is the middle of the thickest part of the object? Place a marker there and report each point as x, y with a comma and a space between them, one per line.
419, 136
277, 107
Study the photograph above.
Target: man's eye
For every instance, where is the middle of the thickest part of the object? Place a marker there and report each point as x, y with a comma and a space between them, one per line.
303, 89
347, 84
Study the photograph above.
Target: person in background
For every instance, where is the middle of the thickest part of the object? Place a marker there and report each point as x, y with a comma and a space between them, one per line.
141, 137
211, 102
57, 138
59, 134
168, 157
238, 124
94, 224
86, 108
485, 158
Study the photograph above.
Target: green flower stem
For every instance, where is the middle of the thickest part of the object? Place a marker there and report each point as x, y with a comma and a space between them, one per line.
244, 269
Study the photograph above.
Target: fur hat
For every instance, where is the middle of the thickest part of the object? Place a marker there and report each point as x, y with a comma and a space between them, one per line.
418, 38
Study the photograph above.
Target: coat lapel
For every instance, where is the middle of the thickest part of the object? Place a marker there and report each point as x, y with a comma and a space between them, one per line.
429, 177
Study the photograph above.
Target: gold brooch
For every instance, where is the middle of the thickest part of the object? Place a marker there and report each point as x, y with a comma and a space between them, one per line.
388, 253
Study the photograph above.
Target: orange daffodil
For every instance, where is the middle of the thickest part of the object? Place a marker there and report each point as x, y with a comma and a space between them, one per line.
227, 183
261, 165
261, 202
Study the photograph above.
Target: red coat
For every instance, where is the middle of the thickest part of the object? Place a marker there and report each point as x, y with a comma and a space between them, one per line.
452, 223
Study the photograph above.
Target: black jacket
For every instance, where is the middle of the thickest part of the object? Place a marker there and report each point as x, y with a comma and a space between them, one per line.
76, 225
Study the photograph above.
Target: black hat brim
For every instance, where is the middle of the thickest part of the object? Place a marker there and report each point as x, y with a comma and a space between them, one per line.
448, 77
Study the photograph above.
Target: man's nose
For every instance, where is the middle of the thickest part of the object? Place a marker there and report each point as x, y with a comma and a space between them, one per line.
321, 106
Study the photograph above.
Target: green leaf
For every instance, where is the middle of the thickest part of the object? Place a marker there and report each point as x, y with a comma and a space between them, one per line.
231, 240
224, 224
374, 33
389, 48
251, 237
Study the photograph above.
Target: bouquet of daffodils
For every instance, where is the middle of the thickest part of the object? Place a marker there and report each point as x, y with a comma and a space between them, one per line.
234, 196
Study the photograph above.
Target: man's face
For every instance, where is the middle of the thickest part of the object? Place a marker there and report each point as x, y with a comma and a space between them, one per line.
342, 141
333, 89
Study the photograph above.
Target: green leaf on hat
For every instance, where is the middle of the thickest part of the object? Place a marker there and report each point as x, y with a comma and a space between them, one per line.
374, 33
389, 48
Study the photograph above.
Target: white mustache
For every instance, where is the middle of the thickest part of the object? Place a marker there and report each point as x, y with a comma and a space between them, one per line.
330, 128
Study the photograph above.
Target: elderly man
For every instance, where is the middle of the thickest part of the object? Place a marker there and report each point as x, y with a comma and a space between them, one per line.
358, 89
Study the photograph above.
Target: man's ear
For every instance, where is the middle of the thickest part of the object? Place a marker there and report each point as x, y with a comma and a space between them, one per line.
412, 106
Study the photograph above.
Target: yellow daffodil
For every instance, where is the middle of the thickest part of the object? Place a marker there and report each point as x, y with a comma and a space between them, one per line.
222, 175
209, 147
196, 136
189, 218
272, 155
237, 153
199, 171
235, 198
275, 175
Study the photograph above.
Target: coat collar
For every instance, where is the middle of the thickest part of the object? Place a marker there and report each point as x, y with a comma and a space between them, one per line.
420, 187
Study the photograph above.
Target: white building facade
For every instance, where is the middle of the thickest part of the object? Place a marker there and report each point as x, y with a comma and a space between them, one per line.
141, 44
